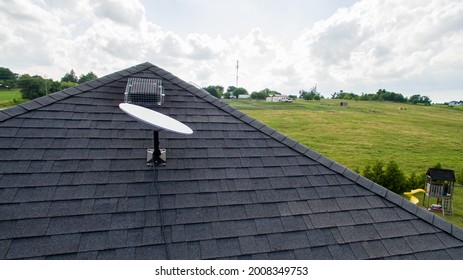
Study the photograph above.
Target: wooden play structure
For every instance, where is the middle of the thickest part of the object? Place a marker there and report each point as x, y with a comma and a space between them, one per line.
440, 184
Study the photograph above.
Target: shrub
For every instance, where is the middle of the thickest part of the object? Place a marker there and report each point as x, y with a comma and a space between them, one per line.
390, 176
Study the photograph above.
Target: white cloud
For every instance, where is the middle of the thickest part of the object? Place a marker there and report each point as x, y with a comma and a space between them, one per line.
391, 44
127, 12
408, 46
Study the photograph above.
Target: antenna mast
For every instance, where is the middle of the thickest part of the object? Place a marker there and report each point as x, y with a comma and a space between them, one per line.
237, 73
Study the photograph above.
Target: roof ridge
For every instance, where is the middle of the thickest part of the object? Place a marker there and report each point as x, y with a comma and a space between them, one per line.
51, 98
328, 163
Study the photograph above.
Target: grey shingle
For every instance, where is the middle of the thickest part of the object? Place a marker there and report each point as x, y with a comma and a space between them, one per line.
228, 247
320, 253
127, 220
456, 253
254, 244
23, 228
293, 223
352, 203
361, 216
60, 225
260, 210
383, 214
232, 212
434, 255
70, 207
269, 225
209, 249
397, 246
114, 254
359, 233
153, 252
424, 242
152, 235
358, 251
281, 255
375, 249
27, 247
196, 232
320, 237
341, 252
324, 205
93, 241
395, 229
288, 241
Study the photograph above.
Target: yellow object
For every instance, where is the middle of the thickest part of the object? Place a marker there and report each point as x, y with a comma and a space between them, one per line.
410, 194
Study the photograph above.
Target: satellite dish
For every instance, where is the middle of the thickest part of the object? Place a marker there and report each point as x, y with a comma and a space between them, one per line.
155, 120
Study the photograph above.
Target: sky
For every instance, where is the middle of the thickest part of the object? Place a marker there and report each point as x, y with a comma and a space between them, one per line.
409, 47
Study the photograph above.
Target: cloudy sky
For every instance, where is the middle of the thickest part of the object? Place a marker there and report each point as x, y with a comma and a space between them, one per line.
411, 47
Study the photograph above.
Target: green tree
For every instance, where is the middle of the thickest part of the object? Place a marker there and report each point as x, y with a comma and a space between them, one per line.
54, 86
216, 91
32, 87
416, 181
391, 176
263, 94
312, 94
87, 77
239, 91
70, 77
259, 95
7, 78
394, 178
416, 99
375, 172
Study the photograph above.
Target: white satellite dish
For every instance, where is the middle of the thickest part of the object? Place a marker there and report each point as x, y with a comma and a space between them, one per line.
155, 120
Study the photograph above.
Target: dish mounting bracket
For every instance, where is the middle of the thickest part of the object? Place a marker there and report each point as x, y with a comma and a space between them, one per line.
156, 155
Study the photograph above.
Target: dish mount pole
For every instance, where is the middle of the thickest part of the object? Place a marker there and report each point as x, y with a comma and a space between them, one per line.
156, 155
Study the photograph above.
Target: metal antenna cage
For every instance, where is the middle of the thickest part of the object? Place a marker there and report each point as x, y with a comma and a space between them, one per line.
146, 92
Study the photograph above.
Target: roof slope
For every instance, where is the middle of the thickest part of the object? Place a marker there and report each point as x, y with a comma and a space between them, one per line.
74, 185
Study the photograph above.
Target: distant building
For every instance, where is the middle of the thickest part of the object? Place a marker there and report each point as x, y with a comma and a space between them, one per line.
278, 98
244, 96
455, 103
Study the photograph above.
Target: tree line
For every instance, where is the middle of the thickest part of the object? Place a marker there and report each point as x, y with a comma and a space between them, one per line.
35, 86
392, 177
235, 92
383, 95
313, 94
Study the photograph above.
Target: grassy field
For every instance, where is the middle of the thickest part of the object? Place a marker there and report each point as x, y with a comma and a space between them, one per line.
416, 137
10, 98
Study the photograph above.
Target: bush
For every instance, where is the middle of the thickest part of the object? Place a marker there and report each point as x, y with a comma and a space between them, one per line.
390, 176
394, 178
32, 87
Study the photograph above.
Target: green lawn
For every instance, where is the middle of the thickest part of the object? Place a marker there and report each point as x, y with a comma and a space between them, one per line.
10, 98
416, 138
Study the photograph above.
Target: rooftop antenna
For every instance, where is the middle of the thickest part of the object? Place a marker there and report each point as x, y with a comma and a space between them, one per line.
150, 92
237, 67
157, 122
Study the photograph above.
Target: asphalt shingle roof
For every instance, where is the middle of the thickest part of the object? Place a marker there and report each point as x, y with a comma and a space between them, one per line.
74, 185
